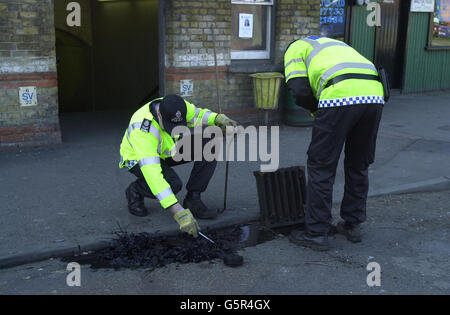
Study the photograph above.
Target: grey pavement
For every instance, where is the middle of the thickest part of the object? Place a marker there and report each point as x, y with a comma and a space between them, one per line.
73, 194
406, 235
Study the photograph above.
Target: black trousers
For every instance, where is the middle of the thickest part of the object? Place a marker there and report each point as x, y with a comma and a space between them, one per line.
356, 126
201, 174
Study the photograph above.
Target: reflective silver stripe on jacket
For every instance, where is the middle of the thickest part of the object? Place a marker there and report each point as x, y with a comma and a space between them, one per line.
330, 72
137, 125
206, 117
149, 161
164, 194
132, 127
294, 73
197, 111
292, 61
313, 42
319, 48
154, 131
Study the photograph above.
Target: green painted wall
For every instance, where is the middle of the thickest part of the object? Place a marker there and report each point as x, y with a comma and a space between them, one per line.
426, 70
362, 35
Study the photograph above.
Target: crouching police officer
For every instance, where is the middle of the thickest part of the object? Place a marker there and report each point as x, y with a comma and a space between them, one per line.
344, 92
147, 149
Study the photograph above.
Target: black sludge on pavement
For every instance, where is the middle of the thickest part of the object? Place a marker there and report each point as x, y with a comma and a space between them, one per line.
146, 250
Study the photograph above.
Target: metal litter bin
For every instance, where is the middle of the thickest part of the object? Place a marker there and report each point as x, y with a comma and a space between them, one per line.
266, 89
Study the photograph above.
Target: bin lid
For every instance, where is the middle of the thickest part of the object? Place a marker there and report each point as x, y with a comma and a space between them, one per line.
267, 75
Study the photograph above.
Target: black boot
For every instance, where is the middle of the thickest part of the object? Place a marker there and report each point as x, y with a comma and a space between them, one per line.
135, 201
318, 243
351, 232
197, 207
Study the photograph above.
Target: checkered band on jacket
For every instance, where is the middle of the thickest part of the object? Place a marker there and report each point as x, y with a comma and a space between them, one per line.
351, 101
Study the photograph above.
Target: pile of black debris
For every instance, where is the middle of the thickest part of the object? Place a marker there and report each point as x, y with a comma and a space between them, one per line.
151, 251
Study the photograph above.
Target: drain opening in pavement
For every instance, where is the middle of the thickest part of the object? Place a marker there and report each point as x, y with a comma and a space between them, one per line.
148, 251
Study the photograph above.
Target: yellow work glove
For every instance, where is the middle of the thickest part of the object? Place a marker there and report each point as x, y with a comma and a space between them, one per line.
187, 222
223, 121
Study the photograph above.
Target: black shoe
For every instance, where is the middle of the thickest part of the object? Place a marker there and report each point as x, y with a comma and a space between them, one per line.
351, 232
198, 208
318, 243
333, 230
135, 202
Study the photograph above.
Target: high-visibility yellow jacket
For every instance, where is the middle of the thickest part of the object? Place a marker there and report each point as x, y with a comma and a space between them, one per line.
321, 59
146, 143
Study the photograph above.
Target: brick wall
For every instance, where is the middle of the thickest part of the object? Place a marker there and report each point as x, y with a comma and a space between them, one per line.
27, 58
190, 50
295, 19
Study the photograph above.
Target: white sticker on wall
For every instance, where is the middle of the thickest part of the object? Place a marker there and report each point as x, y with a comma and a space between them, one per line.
422, 5
28, 96
186, 87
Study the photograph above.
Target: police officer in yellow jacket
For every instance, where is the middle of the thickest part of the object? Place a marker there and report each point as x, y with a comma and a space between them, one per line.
342, 89
147, 149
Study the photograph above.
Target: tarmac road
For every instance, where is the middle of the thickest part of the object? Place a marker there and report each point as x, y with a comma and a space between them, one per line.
61, 197
407, 235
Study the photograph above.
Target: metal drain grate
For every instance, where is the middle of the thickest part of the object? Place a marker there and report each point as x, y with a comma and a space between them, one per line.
282, 196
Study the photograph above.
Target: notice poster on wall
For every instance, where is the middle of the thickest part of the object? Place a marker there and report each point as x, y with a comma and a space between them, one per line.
245, 25
422, 5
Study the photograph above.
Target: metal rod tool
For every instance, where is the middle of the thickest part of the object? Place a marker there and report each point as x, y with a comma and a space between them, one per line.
206, 237
219, 100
